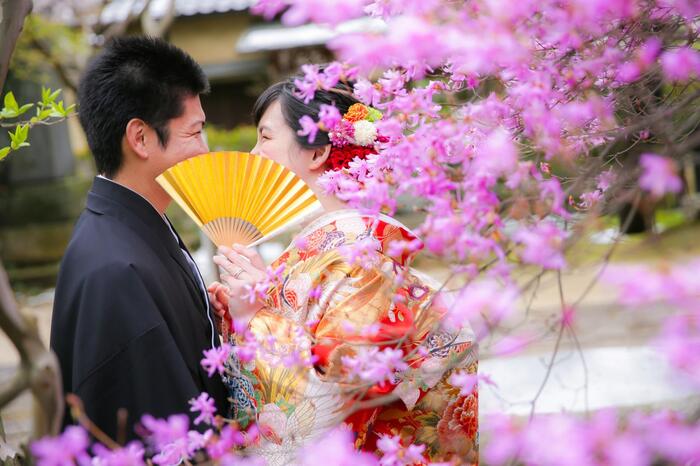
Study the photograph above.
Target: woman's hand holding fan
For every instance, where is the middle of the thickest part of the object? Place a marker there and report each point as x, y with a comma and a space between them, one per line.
243, 268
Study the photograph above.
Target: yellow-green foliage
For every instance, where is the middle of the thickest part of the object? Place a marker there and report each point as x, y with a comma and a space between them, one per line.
241, 138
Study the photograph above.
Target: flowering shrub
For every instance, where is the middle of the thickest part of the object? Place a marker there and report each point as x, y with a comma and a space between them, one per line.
513, 124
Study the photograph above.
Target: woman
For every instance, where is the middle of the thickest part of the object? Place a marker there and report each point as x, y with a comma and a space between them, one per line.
327, 306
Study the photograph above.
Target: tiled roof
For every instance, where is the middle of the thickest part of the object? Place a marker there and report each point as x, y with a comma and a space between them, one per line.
264, 37
118, 10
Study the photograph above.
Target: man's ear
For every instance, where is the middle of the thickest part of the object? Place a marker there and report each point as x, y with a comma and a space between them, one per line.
135, 135
319, 158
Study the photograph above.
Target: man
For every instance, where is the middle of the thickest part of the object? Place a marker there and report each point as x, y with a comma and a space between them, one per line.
131, 315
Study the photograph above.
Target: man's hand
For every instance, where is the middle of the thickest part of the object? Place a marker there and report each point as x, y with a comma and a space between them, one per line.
218, 298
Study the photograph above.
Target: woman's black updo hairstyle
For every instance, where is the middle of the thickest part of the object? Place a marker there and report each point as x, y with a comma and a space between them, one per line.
293, 108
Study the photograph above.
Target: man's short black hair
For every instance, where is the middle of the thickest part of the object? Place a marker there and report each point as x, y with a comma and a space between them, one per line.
134, 77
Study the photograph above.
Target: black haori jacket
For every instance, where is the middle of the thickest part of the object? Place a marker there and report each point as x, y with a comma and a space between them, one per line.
130, 322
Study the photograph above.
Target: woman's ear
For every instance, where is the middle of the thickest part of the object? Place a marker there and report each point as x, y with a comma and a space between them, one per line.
318, 160
135, 135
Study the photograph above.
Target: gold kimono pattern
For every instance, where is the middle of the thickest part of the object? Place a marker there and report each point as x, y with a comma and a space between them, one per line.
330, 304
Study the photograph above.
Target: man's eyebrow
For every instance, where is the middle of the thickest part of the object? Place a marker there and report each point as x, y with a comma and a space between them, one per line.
197, 123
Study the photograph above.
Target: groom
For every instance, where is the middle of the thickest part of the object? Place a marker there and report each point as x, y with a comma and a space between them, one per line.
131, 316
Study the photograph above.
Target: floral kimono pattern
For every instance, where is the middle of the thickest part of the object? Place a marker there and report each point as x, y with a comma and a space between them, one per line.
326, 304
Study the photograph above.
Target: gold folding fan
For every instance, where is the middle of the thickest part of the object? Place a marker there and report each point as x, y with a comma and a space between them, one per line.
236, 197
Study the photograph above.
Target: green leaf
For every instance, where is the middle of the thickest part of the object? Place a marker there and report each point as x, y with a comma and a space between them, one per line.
48, 97
11, 108
70, 109
25, 132
19, 137
13, 136
57, 110
10, 102
3, 152
7, 113
24, 108
43, 114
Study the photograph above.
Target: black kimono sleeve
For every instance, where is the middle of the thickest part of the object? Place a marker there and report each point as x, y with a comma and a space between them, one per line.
123, 354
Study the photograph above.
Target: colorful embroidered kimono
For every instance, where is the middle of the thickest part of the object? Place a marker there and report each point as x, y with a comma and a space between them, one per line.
333, 309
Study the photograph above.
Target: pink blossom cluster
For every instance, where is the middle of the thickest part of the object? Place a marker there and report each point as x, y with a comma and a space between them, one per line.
484, 303
295, 353
374, 365
607, 437
556, 65
498, 123
659, 175
364, 252
259, 291
677, 286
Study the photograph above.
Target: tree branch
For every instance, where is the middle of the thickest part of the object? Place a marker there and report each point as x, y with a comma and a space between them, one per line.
12, 14
39, 367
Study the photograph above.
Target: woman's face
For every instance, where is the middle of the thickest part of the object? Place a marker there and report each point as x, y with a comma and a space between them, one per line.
276, 141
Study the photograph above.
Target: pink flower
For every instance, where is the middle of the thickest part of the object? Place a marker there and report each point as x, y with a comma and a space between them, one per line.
497, 155
367, 93
316, 292
485, 298
259, 290
162, 432
301, 243
543, 245
649, 51
248, 349
64, 449
511, 344
204, 405
332, 73
393, 81
681, 64
364, 252
308, 128
679, 340
268, 8
644, 58
172, 454
129, 455
335, 448
215, 358
659, 175
395, 454
464, 381
240, 460
374, 365
322, 11
629, 72
329, 116
307, 86
636, 284
606, 179
609, 437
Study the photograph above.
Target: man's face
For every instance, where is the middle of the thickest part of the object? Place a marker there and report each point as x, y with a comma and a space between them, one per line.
186, 137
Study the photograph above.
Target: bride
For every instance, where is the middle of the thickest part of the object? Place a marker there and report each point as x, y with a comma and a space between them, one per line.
340, 313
